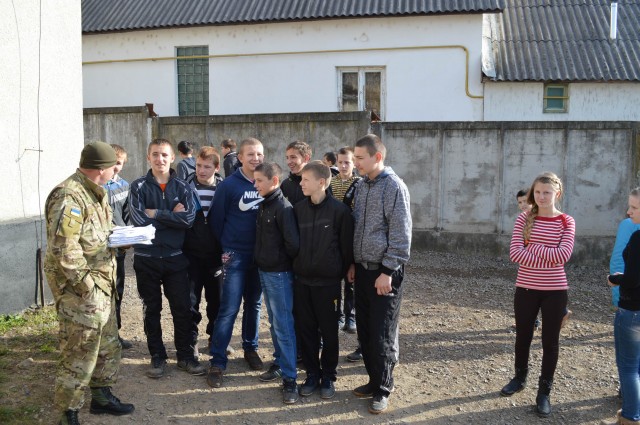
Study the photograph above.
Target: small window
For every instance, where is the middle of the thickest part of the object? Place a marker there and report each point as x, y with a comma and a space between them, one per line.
193, 81
361, 89
556, 98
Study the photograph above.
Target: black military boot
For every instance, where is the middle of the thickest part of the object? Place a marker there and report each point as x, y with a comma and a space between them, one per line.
517, 383
543, 404
69, 417
102, 401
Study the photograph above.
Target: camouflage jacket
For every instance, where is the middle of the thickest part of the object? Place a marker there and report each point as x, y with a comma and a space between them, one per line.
78, 223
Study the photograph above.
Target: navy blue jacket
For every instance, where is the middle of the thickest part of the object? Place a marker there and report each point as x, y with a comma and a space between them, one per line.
233, 213
145, 193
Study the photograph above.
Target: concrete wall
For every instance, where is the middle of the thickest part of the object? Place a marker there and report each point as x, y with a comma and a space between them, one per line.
40, 129
616, 101
292, 67
129, 127
463, 178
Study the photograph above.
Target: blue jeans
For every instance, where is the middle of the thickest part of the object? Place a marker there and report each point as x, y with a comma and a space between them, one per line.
627, 341
278, 297
241, 281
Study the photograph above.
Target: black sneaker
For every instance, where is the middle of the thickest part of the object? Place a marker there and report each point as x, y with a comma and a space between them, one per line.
350, 326
309, 386
327, 388
214, 377
254, 360
272, 374
124, 343
379, 404
364, 391
356, 356
158, 365
192, 366
341, 323
289, 391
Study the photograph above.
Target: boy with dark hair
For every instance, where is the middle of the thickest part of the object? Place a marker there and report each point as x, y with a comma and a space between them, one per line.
200, 246
326, 252
277, 243
234, 211
118, 192
329, 159
230, 157
298, 154
382, 242
187, 166
167, 202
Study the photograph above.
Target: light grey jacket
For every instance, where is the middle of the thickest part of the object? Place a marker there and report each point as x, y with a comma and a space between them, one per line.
382, 221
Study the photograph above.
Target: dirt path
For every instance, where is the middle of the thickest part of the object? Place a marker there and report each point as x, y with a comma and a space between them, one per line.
456, 353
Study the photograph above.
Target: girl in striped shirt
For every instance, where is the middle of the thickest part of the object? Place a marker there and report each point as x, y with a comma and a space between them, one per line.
542, 242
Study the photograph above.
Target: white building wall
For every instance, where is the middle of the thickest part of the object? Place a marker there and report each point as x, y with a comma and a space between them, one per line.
41, 132
616, 101
421, 84
41, 96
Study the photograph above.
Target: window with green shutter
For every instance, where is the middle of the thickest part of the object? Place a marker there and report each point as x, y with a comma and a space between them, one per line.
193, 80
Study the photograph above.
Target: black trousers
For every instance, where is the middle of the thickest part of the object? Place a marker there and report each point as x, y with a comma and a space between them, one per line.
170, 273
203, 276
526, 304
349, 311
316, 308
119, 285
377, 319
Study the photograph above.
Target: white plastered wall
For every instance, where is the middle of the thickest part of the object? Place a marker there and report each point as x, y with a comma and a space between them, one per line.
423, 84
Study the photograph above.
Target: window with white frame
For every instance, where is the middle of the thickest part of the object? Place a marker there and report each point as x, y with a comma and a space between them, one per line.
361, 89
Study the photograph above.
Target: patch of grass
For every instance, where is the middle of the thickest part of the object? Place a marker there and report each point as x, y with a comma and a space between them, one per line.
18, 415
10, 321
47, 348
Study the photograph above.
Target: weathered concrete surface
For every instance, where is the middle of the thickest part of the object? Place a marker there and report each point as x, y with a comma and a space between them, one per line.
18, 264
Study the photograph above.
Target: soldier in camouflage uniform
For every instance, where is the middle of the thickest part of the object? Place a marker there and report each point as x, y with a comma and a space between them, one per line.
80, 269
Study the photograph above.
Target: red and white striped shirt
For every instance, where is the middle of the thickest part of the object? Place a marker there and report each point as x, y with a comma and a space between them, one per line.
542, 259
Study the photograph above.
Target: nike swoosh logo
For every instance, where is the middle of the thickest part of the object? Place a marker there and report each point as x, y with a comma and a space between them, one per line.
247, 207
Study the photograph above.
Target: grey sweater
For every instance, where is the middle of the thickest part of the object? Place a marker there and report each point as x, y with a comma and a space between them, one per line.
382, 221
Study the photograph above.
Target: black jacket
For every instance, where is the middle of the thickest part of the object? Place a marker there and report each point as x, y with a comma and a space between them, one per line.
199, 240
326, 241
230, 163
630, 281
277, 238
145, 193
291, 189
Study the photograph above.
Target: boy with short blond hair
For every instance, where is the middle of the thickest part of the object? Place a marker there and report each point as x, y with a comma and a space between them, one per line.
277, 243
326, 252
118, 192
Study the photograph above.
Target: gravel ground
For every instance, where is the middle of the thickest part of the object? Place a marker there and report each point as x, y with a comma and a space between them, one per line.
456, 352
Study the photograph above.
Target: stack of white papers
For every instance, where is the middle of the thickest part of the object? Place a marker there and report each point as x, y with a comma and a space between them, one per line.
129, 235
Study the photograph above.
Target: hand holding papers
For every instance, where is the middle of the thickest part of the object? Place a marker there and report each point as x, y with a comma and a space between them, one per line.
128, 235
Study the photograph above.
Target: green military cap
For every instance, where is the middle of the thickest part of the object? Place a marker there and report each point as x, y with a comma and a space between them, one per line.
97, 155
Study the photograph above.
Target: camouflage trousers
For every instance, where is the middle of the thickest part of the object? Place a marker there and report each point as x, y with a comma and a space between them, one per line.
89, 345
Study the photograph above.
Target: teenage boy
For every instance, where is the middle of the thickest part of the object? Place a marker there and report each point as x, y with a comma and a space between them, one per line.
118, 192
298, 154
343, 188
187, 165
382, 241
277, 243
230, 157
166, 202
200, 246
233, 220
329, 159
326, 252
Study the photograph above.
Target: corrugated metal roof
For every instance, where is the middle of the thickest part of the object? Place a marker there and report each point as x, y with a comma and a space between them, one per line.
565, 40
126, 15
